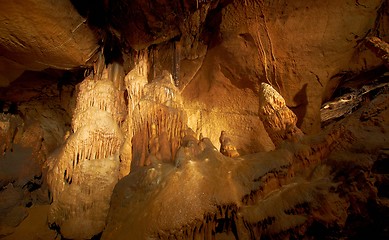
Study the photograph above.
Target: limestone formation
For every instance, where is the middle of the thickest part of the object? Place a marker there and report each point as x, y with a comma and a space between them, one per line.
277, 194
8, 130
226, 146
83, 172
278, 119
157, 116
62, 38
134, 83
102, 106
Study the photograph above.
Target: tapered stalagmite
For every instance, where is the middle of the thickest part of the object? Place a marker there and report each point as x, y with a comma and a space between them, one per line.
278, 120
226, 146
89, 158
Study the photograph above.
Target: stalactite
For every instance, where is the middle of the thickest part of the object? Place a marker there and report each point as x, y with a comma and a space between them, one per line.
92, 149
99, 66
176, 55
156, 103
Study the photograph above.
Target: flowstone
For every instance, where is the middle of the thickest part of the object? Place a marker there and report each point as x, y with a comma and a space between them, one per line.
84, 171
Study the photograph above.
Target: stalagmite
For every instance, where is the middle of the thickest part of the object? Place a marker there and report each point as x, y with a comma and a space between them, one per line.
278, 120
226, 146
82, 174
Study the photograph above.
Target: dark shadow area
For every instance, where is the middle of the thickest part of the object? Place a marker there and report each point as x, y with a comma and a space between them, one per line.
31, 84
93, 10
348, 83
301, 109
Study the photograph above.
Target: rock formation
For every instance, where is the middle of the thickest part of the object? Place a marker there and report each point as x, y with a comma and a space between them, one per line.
286, 193
380, 48
156, 114
279, 121
226, 146
111, 114
83, 172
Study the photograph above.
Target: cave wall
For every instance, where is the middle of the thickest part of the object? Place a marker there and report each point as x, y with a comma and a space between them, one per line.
298, 47
200, 64
226, 47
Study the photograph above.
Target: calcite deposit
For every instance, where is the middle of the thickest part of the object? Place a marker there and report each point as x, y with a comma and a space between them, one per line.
279, 121
88, 158
207, 119
284, 193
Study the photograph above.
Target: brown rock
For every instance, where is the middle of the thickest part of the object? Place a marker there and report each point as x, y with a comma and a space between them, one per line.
41, 34
380, 48
226, 146
85, 169
278, 119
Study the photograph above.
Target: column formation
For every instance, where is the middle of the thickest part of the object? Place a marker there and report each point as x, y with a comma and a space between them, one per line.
83, 173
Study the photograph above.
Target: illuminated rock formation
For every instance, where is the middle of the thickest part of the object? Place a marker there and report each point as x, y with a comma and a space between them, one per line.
135, 151
278, 119
214, 194
84, 171
156, 115
160, 107
226, 146
380, 48
277, 194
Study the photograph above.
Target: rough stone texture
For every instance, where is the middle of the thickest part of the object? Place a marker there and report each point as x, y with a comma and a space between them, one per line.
83, 172
291, 192
258, 39
226, 49
11, 209
34, 226
40, 34
380, 48
197, 64
278, 119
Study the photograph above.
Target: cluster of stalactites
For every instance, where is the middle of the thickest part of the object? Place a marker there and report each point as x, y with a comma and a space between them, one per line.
95, 124
156, 117
134, 83
100, 139
104, 94
158, 132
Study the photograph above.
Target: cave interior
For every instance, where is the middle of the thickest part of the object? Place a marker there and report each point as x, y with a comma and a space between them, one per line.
194, 119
